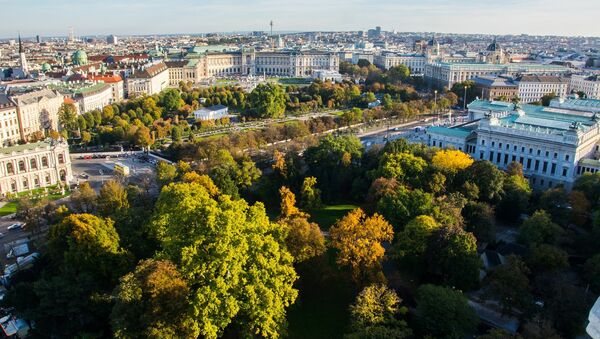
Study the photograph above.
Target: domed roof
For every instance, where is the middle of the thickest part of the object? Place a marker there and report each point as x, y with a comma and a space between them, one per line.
79, 58
494, 46
46, 67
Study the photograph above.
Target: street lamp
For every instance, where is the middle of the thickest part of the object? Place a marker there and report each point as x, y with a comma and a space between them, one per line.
465, 99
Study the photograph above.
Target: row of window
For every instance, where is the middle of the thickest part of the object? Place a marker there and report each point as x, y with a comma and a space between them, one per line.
503, 159
539, 151
32, 163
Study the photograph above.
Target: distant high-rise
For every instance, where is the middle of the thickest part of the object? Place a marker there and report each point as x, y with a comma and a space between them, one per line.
112, 39
71, 34
37, 38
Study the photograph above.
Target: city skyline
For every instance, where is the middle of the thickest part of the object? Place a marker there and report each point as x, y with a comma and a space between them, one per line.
187, 17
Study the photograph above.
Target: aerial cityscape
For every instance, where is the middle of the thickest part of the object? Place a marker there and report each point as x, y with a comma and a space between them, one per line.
300, 170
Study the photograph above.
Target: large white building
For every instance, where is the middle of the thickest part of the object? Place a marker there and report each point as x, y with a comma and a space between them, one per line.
198, 66
114, 81
37, 111
590, 85
554, 146
9, 122
446, 74
35, 165
533, 87
149, 80
415, 62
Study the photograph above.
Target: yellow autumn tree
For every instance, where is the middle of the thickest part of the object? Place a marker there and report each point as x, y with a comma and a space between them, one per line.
303, 239
279, 164
358, 239
451, 161
203, 180
288, 204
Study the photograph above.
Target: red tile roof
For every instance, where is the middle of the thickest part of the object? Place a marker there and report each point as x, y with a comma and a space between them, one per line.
105, 78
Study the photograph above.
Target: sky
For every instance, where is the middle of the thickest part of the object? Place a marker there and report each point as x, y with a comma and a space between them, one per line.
126, 17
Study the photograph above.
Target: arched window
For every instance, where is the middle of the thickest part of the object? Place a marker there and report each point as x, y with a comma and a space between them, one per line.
13, 186
63, 175
21, 166
61, 159
33, 163
47, 178
9, 168
44, 161
36, 182
25, 183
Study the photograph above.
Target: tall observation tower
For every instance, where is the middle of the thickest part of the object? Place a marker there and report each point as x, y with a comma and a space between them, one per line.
271, 24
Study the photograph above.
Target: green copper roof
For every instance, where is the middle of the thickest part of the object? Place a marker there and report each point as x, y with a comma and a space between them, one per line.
451, 132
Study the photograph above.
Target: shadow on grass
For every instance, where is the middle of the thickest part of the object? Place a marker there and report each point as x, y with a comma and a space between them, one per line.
325, 294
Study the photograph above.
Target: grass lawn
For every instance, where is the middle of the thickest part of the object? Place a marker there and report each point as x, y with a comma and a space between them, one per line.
328, 215
11, 206
8, 208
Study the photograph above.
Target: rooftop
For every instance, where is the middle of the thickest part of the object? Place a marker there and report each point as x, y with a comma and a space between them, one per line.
25, 147
451, 132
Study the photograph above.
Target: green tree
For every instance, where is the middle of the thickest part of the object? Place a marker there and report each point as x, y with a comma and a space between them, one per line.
152, 302
89, 244
108, 113
452, 254
142, 137
335, 162
412, 242
228, 251
403, 167
171, 100
165, 172
378, 306
67, 117
488, 178
479, 220
539, 229
267, 101
310, 195
546, 98
444, 313
547, 258
515, 197
112, 199
84, 199
403, 205
398, 73
509, 285
176, 133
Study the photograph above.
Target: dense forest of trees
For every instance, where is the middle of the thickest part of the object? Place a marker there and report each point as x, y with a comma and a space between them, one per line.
123, 262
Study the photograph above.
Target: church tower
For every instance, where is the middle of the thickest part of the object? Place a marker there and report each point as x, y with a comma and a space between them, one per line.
22, 59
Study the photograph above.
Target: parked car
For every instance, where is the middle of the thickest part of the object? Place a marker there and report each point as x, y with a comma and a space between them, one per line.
16, 226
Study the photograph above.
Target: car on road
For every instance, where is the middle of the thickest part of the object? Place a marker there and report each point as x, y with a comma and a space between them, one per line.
16, 226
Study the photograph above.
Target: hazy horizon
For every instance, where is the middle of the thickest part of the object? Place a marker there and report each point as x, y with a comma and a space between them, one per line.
154, 17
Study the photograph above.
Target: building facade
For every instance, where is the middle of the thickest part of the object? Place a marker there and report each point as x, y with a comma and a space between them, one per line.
533, 87
148, 81
550, 145
494, 88
34, 165
196, 67
37, 111
9, 122
114, 81
590, 85
415, 62
446, 74
93, 97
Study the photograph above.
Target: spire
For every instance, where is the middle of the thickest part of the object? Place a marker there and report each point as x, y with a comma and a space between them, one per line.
20, 44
